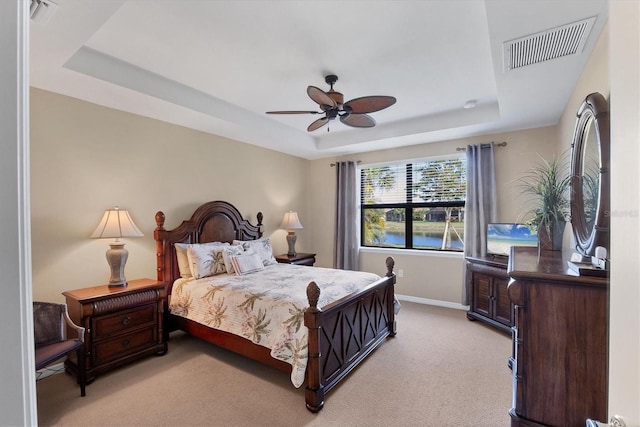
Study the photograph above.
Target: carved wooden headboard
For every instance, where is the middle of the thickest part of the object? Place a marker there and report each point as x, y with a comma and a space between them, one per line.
216, 221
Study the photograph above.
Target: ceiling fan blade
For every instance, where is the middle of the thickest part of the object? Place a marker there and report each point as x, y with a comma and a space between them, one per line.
320, 97
358, 120
369, 104
294, 112
318, 124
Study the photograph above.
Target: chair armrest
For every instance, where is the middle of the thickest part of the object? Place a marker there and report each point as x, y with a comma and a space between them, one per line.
79, 329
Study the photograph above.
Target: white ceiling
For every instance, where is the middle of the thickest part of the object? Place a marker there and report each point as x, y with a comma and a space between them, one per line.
218, 65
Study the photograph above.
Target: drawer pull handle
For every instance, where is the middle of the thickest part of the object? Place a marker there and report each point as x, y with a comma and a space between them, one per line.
125, 343
126, 321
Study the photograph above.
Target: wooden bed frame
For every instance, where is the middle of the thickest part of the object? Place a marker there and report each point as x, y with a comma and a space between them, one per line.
341, 334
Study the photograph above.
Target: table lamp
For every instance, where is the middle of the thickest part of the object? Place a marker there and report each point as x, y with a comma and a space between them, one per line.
290, 222
116, 223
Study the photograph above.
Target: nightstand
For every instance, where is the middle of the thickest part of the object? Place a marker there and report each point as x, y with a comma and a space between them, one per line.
299, 259
122, 324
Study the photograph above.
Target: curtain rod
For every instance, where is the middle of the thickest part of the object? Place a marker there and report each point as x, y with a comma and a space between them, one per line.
500, 144
357, 162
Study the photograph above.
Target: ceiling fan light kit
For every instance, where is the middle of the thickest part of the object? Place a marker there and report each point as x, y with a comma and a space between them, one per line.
354, 113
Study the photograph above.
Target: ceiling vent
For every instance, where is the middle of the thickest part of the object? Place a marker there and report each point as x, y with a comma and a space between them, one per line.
546, 45
42, 10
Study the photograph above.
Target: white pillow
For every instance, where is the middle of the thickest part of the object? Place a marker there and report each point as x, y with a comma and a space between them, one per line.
227, 253
246, 263
261, 246
202, 259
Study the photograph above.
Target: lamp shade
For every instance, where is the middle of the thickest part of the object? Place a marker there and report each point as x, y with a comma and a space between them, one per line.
116, 223
291, 221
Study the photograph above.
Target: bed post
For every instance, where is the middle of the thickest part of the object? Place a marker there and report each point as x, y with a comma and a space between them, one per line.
314, 394
161, 267
391, 296
159, 245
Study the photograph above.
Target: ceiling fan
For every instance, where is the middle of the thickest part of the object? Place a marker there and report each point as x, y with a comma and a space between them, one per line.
352, 113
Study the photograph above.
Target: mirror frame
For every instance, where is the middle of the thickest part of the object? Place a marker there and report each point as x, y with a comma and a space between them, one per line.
594, 109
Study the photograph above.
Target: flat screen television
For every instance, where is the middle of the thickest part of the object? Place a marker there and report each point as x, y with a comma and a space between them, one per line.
501, 237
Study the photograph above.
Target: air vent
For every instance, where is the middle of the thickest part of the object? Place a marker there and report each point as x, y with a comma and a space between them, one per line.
42, 10
547, 45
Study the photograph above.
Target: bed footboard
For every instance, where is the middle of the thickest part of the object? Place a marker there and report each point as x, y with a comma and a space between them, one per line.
343, 333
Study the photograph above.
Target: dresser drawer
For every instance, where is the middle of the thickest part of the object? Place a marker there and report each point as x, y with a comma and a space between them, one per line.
123, 345
108, 325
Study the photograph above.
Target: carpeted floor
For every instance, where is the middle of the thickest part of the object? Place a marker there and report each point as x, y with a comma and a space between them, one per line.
440, 370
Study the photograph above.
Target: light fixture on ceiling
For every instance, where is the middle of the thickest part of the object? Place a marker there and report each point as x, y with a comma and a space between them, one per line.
470, 104
41, 11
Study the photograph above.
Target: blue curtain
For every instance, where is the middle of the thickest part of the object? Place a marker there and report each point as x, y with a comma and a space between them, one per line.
481, 203
345, 254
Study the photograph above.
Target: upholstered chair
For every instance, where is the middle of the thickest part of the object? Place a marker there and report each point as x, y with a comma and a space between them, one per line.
50, 323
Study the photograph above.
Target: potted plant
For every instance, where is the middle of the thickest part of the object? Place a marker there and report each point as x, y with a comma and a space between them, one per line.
547, 187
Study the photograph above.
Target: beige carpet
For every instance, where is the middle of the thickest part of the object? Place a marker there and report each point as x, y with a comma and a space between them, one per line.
440, 370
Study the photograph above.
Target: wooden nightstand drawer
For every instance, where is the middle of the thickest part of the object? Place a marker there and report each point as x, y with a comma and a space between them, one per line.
122, 324
123, 345
124, 320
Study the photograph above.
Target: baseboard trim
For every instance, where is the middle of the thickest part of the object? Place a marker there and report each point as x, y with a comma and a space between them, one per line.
428, 301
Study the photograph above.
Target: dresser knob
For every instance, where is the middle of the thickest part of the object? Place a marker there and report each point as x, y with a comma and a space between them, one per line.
125, 343
126, 321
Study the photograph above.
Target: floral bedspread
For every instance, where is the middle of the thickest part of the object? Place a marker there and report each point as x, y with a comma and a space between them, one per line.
266, 307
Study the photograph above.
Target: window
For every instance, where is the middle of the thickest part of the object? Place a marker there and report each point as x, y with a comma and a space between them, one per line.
414, 205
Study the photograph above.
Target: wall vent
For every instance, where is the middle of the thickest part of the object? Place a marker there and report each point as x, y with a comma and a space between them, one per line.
546, 45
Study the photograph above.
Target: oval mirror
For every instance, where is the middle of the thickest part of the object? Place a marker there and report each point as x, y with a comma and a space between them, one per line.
590, 176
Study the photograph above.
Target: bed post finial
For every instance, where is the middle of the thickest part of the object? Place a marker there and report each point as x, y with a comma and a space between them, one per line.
260, 216
313, 294
390, 264
160, 220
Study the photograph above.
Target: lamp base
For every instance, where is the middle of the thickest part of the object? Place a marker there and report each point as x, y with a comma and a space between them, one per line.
291, 240
117, 258
117, 285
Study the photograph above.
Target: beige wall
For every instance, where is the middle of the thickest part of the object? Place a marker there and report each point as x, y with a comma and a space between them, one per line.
427, 275
86, 158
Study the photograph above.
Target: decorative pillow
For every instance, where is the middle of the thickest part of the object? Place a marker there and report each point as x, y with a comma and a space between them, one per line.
183, 262
203, 259
261, 246
246, 263
227, 253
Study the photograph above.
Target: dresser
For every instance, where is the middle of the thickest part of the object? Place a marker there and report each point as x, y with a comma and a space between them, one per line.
122, 324
559, 360
487, 282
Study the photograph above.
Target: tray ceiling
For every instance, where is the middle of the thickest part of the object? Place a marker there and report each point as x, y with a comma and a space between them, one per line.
218, 66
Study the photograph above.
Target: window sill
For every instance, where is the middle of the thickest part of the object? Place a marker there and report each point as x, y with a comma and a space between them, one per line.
413, 252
